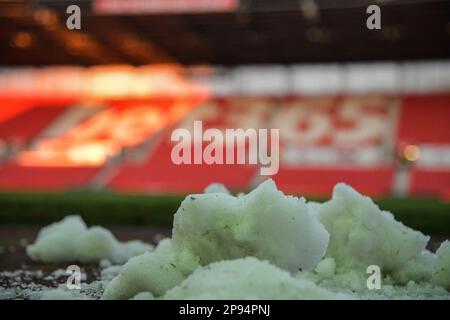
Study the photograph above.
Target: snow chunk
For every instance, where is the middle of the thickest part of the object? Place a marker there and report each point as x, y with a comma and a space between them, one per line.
326, 268
70, 240
361, 234
247, 278
57, 242
441, 274
153, 272
264, 223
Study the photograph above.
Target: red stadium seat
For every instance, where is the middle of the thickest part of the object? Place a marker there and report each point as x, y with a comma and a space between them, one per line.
27, 125
14, 177
319, 181
430, 182
425, 119
159, 174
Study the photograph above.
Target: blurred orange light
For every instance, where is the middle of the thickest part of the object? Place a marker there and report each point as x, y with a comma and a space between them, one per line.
77, 41
22, 40
411, 153
46, 17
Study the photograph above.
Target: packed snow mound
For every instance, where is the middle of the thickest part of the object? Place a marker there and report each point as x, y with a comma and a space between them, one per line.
264, 223
419, 269
247, 278
361, 234
70, 240
153, 272
217, 226
441, 274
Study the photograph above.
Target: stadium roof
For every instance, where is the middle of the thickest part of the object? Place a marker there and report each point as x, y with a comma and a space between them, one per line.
282, 31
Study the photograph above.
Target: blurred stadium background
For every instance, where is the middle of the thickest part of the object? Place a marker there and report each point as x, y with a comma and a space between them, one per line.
86, 115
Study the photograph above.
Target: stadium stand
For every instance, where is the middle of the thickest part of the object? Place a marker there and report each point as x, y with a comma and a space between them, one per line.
14, 177
422, 121
161, 175
319, 181
27, 125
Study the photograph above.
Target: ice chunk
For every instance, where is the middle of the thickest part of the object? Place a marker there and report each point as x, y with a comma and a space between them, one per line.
361, 234
70, 240
247, 278
153, 272
264, 223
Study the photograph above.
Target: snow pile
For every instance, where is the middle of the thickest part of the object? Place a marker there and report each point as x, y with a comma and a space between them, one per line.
247, 278
419, 269
214, 232
361, 234
265, 224
260, 245
70, 240
217, 226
